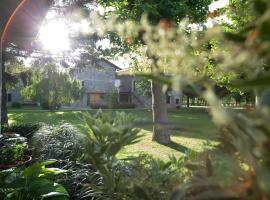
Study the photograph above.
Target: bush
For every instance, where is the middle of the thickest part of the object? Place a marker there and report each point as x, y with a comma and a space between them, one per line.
140, 177
24, 129
16, 105
12, 148
62, 142
78, 179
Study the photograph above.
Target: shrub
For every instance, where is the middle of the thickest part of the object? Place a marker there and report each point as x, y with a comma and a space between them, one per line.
24, 129
12, 148
61, 142
142, 177
108, 134
16, 105
78, 179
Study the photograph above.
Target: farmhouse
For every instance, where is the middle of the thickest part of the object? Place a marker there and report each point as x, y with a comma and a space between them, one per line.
99, 79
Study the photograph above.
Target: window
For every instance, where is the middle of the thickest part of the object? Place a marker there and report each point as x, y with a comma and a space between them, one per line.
9, 99
82, 83
168, 99
117, 83
177, 101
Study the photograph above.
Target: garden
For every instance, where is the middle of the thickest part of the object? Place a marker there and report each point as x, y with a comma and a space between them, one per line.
211, 51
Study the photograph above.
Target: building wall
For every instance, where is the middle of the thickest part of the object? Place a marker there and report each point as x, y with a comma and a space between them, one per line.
95, 80
127, 86
15, 95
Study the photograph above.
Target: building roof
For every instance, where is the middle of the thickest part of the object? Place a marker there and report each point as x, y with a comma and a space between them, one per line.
110, 63
20, 20
124, 72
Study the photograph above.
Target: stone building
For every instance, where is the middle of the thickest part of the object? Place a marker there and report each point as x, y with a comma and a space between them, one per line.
97, 80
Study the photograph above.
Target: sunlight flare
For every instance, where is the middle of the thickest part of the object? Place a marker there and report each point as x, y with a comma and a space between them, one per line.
54, 36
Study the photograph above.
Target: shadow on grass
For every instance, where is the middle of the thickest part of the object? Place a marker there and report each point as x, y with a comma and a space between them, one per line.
178, 147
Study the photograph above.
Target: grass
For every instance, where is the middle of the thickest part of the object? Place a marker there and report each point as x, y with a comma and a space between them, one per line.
192, 128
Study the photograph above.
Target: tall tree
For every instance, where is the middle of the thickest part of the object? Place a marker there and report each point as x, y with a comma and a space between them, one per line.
167, 13
52, 88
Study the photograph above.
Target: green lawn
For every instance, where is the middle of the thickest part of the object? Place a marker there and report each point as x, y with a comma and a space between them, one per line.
192, 128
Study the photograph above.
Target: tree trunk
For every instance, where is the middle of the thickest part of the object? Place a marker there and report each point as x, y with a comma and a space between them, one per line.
187, 101
160, 116
4, 117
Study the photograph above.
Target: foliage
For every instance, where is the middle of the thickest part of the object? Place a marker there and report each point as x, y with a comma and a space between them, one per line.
157, 10
240, 13
16, 72
138, 177
62, 142
163, 13
24, 129
153, 178
34, 182
143, 87
52, 88
12, 148
77, 179
107, 135
109, 132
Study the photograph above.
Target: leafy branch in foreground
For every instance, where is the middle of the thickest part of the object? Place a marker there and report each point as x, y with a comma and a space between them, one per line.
34, 182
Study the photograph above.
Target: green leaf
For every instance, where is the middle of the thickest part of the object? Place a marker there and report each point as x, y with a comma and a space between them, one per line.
55, 196
37, 168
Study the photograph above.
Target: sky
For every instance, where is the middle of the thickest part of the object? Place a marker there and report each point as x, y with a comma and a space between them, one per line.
218, 4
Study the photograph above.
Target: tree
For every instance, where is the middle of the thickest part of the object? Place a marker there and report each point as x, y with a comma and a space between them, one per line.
240, 13
4, 116
166, 13
12, 70
52, 88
